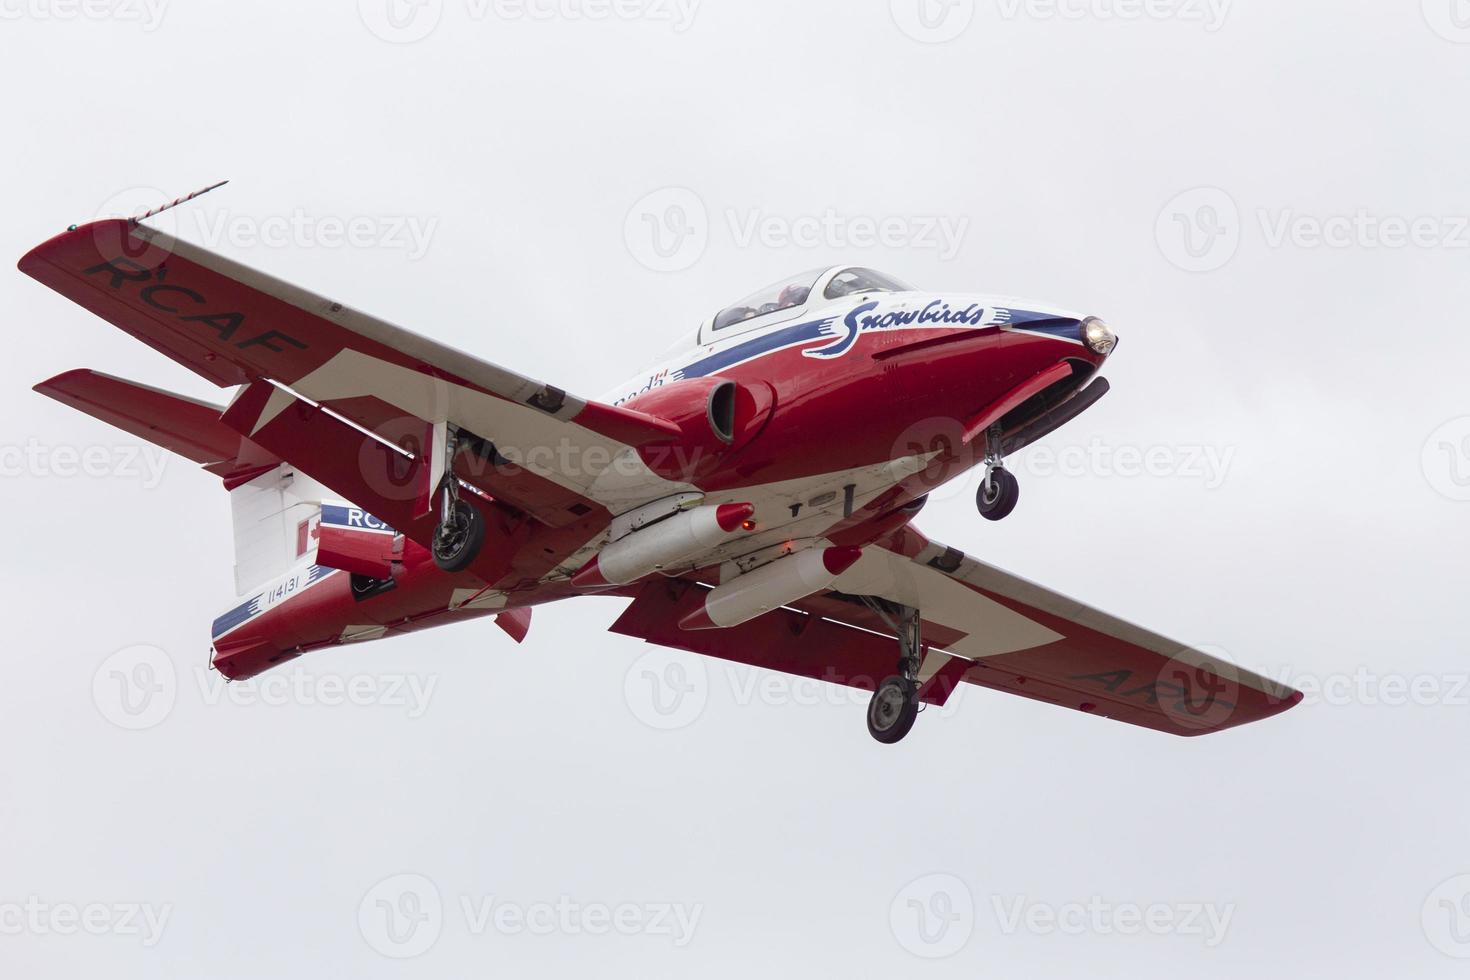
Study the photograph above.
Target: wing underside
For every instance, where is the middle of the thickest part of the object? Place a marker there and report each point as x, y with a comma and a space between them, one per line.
237, 326
983, 626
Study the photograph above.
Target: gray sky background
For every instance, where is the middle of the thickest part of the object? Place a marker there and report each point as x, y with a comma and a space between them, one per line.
1267, 200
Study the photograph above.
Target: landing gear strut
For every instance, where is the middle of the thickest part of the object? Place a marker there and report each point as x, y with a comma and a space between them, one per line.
999, 491
461, 529
895, 702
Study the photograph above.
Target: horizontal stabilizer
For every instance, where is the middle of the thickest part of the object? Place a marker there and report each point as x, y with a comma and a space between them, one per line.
181, 425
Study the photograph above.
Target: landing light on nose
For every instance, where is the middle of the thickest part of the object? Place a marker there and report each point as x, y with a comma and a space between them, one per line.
1098, 336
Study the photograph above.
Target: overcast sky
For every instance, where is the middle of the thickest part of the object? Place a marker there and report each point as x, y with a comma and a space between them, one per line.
1268, 202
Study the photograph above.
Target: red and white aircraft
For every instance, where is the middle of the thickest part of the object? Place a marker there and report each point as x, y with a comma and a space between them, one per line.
753, 494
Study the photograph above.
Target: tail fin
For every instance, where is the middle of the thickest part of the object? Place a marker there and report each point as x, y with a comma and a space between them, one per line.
275, 508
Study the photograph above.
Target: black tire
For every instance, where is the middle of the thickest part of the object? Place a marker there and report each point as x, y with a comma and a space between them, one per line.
892, 710
457, 541
1004, 491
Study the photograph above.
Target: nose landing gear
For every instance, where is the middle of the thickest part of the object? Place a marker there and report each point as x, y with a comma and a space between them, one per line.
1000, 490
998, 493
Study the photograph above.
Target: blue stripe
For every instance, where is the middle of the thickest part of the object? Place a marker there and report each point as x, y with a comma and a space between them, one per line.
801, 333
235, 617
785, 337
252, 607
1064, 327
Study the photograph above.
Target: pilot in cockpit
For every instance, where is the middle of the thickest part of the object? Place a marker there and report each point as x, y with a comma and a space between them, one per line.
793, 295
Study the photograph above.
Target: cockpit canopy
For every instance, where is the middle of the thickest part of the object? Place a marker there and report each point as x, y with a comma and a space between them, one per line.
796, 292
784, 295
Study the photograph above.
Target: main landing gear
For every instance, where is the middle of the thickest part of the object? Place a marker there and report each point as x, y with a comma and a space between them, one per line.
461, 529
895, 702
999, 491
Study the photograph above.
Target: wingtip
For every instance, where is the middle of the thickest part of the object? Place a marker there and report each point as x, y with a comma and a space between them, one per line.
52, 385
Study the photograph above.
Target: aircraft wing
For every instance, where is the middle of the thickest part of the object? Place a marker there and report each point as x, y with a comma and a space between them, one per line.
984, 626
557, 457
